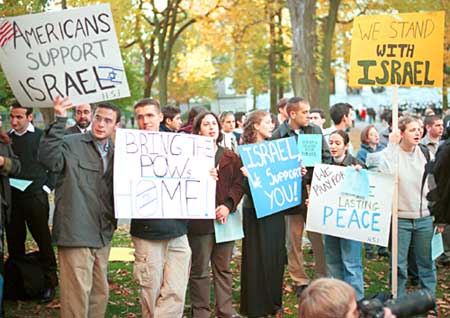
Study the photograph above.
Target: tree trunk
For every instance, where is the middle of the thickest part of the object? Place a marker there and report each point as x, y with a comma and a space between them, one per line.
303, 71
148, 83
328, 30
272, 62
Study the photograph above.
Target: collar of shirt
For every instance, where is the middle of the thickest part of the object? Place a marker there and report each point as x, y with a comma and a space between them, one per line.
84, 130
30, 128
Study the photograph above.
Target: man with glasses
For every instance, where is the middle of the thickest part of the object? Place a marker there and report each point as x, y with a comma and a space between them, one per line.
83, 117
84, 221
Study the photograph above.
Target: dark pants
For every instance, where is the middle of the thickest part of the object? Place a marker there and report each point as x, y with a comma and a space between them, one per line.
32, 211
205, 251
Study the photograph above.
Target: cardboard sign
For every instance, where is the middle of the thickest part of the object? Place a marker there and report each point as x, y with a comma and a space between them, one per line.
274, 174
403, 49
310, 149
68, 53
330, 211
163, 175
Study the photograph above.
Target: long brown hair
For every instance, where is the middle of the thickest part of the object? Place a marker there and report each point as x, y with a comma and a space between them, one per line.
249, 133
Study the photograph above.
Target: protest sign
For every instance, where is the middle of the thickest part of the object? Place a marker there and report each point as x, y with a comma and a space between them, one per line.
274, 174
163, 175
71, 53
310, 149
335, 213
232, 230
400, 49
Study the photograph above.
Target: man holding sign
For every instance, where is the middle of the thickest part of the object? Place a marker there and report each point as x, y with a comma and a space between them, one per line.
298, 123
83, 223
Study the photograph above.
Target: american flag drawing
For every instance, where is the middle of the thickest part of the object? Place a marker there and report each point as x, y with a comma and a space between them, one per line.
6, 32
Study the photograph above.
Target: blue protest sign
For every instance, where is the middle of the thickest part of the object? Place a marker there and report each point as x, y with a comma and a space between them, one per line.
310, 149
230, 231
274, 174
356, 182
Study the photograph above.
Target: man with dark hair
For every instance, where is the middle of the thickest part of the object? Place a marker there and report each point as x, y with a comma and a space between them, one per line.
434, 126
342, 117
317, 117
84, 221
240, 118
298, 123
30, 208
171, 120
83, 117
162, 252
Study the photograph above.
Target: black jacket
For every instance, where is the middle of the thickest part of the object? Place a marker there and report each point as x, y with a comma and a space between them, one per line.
441, 172
284, 131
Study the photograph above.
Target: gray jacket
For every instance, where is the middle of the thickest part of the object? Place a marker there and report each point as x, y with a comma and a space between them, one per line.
84, 204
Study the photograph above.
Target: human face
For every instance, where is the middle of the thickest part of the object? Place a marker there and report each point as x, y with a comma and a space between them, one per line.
436, 129
373, 138
104, 123
19, 119
174, 123
209, 127
300, 117
148, 117
264, 128
337, 146
83, 115
316, 119
228, 123
349, 119
421, 126
412, 134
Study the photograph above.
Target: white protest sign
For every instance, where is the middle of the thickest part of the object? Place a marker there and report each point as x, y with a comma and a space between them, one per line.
334, 213
68, 53
163, 175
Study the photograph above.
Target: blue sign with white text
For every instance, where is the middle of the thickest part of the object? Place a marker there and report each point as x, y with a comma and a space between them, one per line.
274, 174
310, 149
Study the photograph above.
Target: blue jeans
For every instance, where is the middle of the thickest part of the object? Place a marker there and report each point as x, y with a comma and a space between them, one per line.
419, 233
344, 262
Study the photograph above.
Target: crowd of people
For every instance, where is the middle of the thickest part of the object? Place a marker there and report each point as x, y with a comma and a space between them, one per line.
173, 256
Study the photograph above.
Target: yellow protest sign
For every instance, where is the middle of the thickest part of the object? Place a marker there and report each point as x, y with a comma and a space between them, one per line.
404, 49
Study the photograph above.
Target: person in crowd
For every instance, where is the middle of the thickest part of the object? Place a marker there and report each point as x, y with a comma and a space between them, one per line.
331, 298
162, 254
298, 123
441, 212
227, 123
84, 222
317, 117
187, 127
30, 208
370, 142
263, 246
240, 121
406, 157
434, 126
282, 113
343, 256
205, 250
171, 119
83, 118
9, 167
275, 121
342, 116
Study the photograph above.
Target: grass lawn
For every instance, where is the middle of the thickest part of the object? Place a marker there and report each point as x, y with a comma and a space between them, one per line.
124, 297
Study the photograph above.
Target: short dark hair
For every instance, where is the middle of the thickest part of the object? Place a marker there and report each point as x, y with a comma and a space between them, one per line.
343, 134
147, 102
170, 112
16, 104
338, 111
429, 120
238, 116
293, 102
198, 121
110, 106
319, 111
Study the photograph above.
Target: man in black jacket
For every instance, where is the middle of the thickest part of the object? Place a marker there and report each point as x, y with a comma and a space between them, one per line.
298, 123
30, 207
162, 252
83, 117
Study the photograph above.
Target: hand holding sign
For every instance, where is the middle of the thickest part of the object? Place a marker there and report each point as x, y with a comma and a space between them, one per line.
60, 105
